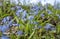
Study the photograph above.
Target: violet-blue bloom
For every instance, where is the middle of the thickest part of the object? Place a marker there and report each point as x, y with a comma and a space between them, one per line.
49, 12
48, 26
24, 14
41, 8
6, 19
53, 28
19, 32
35, 8
10, 23
42, 15
18, 12
39, 27
15, 24
5, 37
4, 28
36, 12
30, 17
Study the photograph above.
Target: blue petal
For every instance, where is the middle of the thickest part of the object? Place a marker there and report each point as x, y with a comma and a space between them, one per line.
19, 33
4, 28
15, 24
30, 17
5, 37
48, 26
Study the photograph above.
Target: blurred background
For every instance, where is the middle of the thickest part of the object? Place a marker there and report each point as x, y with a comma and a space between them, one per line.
36, 1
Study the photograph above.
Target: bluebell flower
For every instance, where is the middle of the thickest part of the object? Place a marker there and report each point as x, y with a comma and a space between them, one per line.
30, 17
6, 19
24, 14
5, 37
41, 8
24, 19
5, 28
35, 8
49, 12
19, 32
18, 12
35, 12
53, 28
42, 15
48, 26
10, 23
33, 22
37, 27
15, 24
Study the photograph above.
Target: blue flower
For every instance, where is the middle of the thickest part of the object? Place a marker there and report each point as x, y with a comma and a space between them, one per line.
30, 17
19, 32
5, 28
35, 22
6, 19
35, 8
35, 12
37, 27
18, 12
5, 37
24, 14
42, 15
41, 8
48, 26
15, 24
49, 12
10, 23
53, 28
